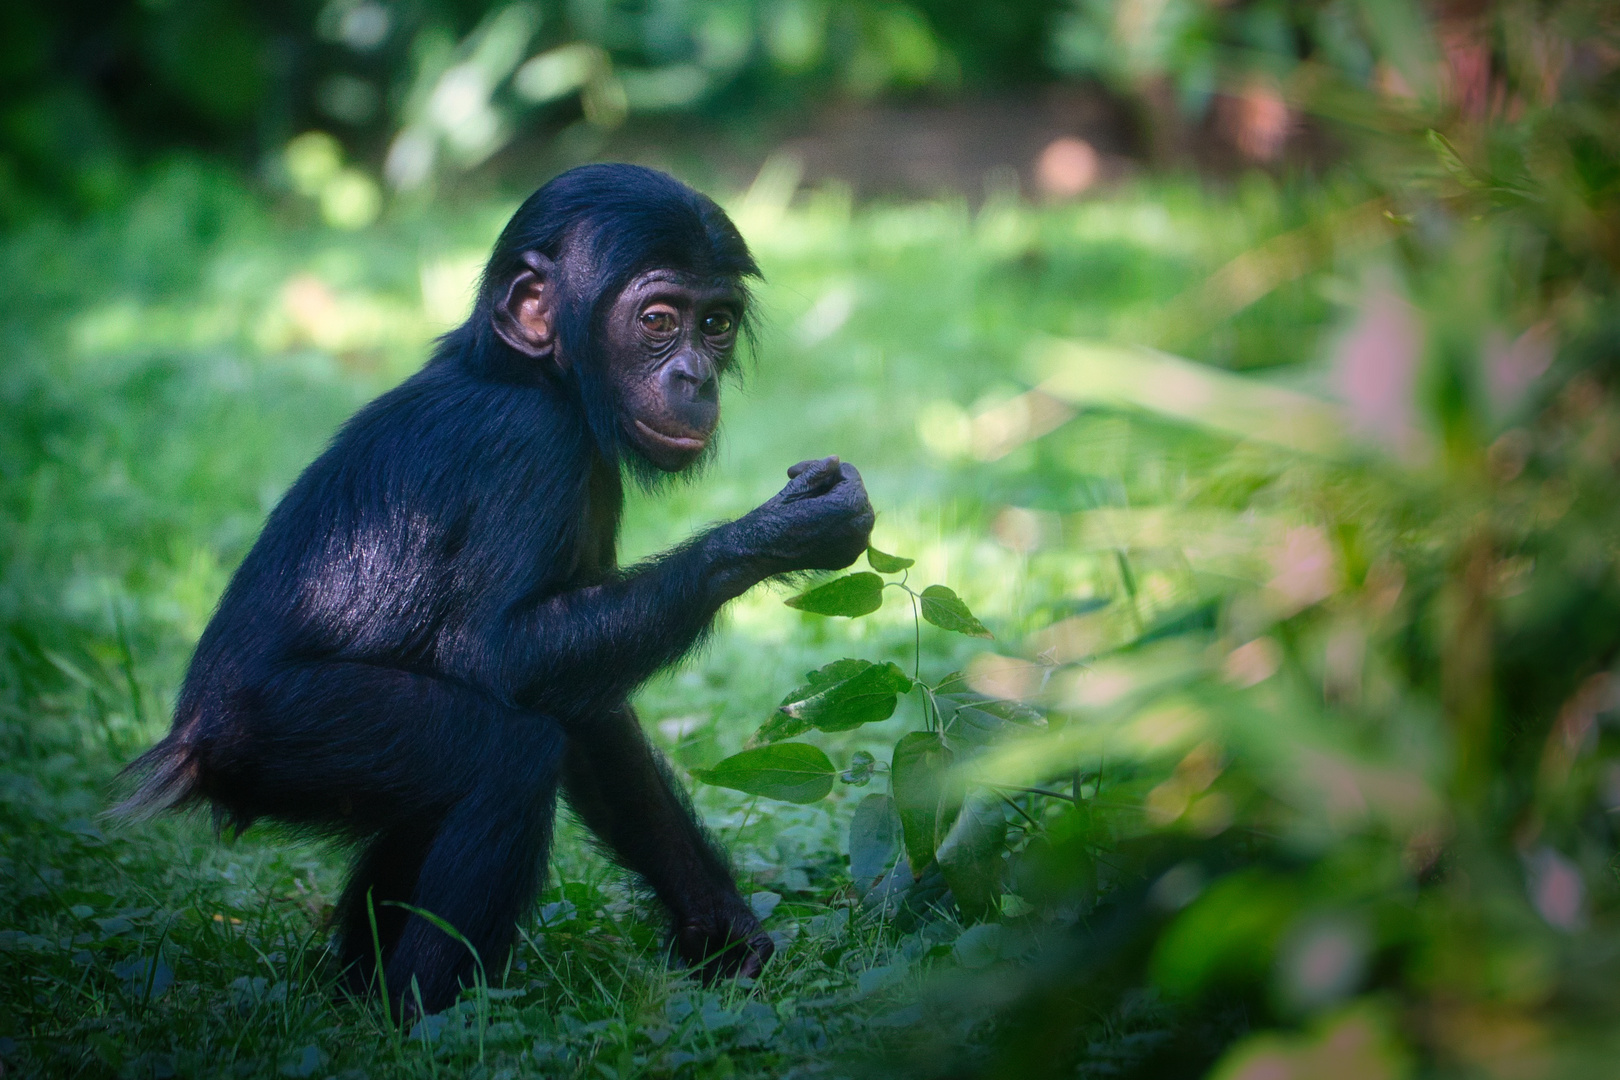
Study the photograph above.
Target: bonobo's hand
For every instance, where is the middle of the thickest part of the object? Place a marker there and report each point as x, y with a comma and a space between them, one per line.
820, 521
725, 944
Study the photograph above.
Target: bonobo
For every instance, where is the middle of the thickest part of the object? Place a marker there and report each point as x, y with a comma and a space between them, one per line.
432, 633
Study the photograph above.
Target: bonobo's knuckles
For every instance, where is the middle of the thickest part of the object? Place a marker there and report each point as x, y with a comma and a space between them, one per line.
822, 519
728, 944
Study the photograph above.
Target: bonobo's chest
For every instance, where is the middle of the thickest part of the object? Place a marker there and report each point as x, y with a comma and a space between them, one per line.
596, 544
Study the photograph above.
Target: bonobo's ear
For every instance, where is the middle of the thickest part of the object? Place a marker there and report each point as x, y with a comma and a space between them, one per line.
526, 317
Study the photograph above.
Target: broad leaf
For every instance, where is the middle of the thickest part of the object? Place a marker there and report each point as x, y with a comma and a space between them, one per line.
864, 696
783, 725
885, 563
792, 772
976, 720
860, 769
916, 779
970, 856
874, 840
780, 726
826, 676
945, 609
979, 946
852, 595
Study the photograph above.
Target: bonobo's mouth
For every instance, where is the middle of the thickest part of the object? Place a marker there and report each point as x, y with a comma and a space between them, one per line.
684, 444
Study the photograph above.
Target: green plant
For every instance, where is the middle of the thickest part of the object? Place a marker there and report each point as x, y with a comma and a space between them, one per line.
927, 819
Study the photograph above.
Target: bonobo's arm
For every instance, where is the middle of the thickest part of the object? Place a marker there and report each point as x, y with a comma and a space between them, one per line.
582, 651
619, 785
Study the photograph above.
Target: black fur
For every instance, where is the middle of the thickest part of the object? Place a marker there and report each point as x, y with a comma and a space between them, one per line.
431, 635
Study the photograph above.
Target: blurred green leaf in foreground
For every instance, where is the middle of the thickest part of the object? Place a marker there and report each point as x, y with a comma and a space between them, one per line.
1329, 785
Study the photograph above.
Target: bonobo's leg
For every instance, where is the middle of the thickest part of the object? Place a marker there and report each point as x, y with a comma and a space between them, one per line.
384, 875
623, 790
480, 876
454, 792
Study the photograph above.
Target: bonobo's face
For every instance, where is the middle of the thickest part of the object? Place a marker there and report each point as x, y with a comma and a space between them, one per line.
669, 337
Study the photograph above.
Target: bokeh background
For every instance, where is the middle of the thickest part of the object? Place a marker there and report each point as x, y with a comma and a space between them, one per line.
1246, 367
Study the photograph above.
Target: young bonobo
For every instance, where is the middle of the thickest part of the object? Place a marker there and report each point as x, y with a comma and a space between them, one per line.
432, 632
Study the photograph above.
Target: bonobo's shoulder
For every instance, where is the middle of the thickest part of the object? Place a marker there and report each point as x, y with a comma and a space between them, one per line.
448, 392
447, 410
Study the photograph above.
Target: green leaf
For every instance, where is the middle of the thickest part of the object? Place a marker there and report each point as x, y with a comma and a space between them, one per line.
863, 696
976, 720
849, 596
945, 609
836, 672
885, 563
1229, 931
970, 856
916, 779
780, 726
791, 772
861, 767
783, 725
1452, 162
979, 946
874, 840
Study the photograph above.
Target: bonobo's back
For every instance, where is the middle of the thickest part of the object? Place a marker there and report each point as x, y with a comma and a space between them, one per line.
395, 547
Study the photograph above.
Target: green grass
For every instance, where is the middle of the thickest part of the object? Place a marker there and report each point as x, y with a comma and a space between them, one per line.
169, 368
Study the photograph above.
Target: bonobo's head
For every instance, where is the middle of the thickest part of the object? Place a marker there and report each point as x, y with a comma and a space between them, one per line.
627, 286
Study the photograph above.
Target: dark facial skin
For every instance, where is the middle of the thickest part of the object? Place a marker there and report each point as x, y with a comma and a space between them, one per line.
669, 336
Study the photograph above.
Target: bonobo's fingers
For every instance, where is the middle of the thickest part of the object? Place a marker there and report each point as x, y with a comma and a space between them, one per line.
808, 479
760, 948
854, 487
815, 463
736, 948
822, 520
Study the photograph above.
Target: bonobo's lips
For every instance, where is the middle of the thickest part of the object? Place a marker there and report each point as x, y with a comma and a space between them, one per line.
684, 444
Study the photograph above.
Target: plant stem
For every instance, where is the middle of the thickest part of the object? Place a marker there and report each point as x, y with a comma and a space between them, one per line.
1034, 791
1025, 813
747, 813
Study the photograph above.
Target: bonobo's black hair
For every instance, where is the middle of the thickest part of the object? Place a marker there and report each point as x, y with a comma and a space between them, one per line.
432, 635
602, 225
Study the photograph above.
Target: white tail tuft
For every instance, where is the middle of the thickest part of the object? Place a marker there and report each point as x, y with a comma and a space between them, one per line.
169, 778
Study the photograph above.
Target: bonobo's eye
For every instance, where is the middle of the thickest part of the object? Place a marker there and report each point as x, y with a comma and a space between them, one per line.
718, 325
659, 320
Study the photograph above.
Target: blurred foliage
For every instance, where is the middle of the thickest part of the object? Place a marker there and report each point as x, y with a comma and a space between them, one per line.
90, 90
1350, 767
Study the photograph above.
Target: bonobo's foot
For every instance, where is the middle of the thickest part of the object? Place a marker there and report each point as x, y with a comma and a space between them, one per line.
728, 944
358, 985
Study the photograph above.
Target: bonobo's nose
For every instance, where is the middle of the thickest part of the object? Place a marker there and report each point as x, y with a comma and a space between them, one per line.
691, 389
690, 376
